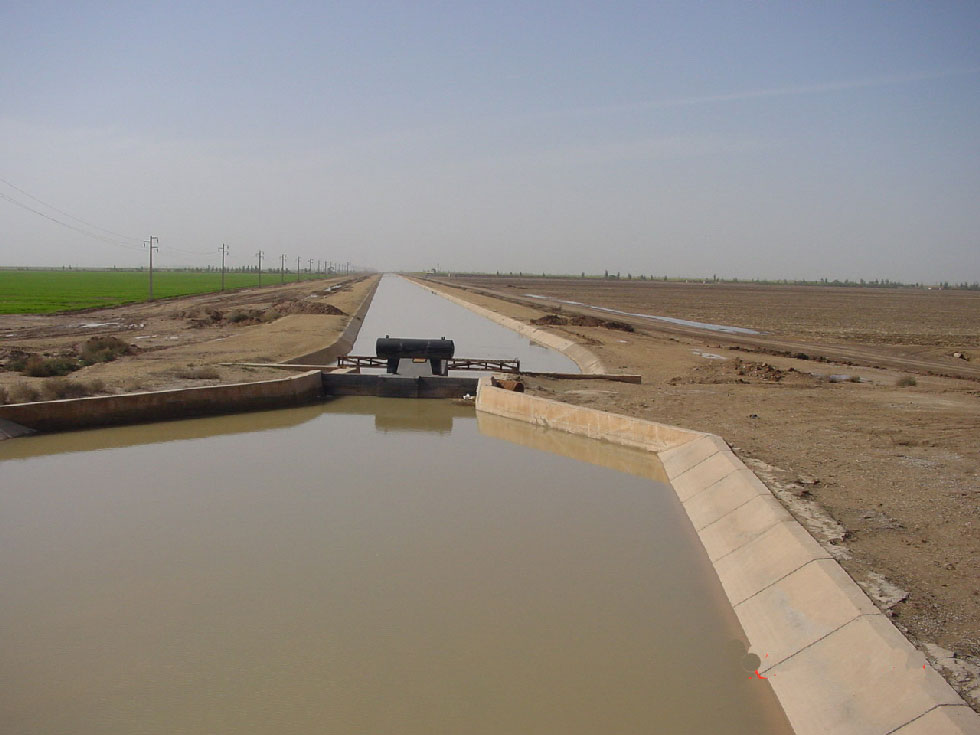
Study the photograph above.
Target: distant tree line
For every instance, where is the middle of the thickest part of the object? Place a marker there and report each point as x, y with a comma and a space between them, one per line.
606, 275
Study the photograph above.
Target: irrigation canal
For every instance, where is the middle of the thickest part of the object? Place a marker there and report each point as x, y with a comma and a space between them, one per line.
362, 566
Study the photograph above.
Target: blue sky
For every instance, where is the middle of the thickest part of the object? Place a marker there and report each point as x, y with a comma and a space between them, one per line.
796, 140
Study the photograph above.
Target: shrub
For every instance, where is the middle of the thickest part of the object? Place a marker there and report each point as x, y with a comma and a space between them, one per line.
905, 381
104, 349
22, 393
61, 388
201, 373
57, 388
45, 367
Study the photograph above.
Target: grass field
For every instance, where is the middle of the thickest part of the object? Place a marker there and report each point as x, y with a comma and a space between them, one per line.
43, 292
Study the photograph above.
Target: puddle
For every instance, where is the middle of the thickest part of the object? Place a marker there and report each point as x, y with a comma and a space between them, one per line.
669, 319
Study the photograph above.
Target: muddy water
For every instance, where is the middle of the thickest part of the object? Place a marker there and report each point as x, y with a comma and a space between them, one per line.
366, 566
403, 309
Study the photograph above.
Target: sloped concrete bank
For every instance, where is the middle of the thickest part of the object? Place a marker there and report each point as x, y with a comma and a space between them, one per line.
343, 344
582, 357
835, 662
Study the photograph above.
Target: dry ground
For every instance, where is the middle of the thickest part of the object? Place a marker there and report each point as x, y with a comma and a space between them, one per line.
180, 342
887, 477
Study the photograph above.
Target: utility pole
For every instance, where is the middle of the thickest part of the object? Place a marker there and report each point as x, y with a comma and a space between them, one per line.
282, 268
297, 268
318, 265
260, 254
224, 252
152, 247
311, 265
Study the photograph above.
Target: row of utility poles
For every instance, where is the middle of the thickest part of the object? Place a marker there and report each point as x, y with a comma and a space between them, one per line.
322, 266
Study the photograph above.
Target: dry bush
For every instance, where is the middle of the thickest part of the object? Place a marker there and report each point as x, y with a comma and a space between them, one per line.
200, 373
104, 349
906, 381
22, 393
58, 388
46, 367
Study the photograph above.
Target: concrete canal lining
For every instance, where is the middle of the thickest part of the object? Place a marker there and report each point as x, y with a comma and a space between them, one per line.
835, 662
586, 360
128, 408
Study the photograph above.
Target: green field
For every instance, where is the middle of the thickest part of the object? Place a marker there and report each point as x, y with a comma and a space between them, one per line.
43, 292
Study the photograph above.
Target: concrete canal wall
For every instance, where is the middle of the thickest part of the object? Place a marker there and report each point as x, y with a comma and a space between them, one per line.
587, 362
395, 386
835, 662
129, 408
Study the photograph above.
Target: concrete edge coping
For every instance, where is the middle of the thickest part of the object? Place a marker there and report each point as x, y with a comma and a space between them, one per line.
835, 662
581, 356
164, 391
126, 408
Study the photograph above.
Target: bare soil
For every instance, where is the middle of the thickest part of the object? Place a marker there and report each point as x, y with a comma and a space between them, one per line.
182, 342
887, 477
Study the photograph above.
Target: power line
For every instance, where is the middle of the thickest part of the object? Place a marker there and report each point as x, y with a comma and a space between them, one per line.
93, 235
66, 214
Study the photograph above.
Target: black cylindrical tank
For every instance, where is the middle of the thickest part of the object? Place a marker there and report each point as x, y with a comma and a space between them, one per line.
431, 349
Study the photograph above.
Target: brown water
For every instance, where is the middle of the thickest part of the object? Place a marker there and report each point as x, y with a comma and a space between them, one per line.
366, 566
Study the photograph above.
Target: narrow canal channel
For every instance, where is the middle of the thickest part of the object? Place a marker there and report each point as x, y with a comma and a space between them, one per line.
402, 309
362, 566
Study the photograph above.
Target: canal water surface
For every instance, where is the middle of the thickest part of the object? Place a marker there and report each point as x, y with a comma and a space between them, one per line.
361, 566
402, 309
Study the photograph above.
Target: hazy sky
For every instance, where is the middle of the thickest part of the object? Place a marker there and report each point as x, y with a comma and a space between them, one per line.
747, 139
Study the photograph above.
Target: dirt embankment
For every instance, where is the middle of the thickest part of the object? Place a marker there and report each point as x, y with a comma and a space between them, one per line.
179, 342
882, 464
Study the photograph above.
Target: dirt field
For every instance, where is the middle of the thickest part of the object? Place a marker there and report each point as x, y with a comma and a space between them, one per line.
180, 342
887, 477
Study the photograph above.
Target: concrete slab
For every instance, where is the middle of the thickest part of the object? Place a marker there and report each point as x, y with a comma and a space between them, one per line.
11, 430
742, 525
705, 474
800, 609
680, 459
723, 497
862, 679
769, 557
944, 720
